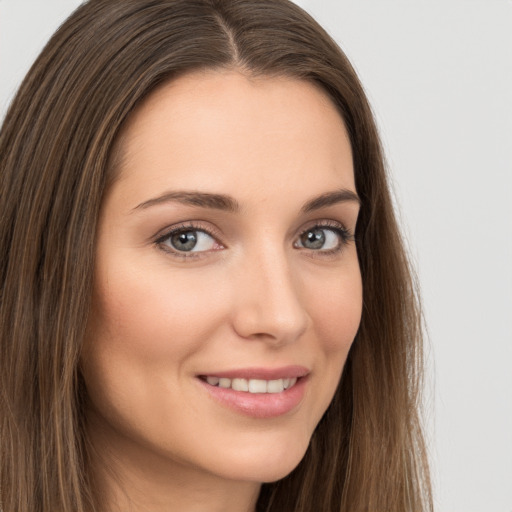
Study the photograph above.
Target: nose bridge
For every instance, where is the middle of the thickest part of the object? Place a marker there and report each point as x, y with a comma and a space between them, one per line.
268, 300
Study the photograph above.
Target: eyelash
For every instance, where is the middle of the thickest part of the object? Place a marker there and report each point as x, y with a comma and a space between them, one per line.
345, 235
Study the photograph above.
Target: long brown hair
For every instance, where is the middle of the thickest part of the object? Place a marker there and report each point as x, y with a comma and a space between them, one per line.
367, 453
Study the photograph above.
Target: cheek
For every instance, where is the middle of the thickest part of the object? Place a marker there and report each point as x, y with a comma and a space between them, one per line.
151, 314
145, 328
336, 312
335, 309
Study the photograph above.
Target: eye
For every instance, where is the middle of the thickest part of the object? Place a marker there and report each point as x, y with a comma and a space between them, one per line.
324, 238
185, 240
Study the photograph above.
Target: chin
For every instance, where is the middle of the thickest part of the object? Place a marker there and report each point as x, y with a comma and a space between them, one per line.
264, 465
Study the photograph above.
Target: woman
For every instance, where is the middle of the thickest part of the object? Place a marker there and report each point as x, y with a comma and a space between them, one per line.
205, 300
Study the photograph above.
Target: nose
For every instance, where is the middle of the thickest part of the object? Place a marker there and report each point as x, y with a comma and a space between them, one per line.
267, 302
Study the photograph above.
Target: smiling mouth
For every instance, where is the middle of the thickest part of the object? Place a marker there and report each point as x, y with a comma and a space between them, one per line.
259, 386
258, 392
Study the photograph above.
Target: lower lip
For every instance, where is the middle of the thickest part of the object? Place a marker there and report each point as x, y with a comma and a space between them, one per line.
259, 405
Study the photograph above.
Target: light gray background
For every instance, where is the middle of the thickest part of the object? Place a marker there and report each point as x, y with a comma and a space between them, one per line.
439, 76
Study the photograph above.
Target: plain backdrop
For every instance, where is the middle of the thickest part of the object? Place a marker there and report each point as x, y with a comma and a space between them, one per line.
439, 76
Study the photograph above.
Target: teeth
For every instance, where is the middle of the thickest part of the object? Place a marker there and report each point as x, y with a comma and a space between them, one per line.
275, 386
257, 386
224, 383
240, 385
253, 385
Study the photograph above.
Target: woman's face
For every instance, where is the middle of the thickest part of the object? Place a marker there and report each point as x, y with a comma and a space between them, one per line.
227, 289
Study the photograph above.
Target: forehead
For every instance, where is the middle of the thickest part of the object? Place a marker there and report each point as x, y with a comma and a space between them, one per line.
222, 128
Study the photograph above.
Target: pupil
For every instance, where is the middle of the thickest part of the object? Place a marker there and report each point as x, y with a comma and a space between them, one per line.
184, 241
314, 239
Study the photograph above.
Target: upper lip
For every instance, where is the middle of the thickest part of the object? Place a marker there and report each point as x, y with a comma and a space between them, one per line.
263, 373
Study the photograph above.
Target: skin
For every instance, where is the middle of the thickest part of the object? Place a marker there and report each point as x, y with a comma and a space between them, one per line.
253, 295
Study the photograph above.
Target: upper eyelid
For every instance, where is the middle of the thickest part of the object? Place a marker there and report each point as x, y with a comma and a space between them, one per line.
215, 232
326, 224
323, 223
186, 226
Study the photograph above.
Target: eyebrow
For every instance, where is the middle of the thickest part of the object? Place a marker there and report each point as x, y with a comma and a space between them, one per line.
229, 204
201, 199
331, 198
